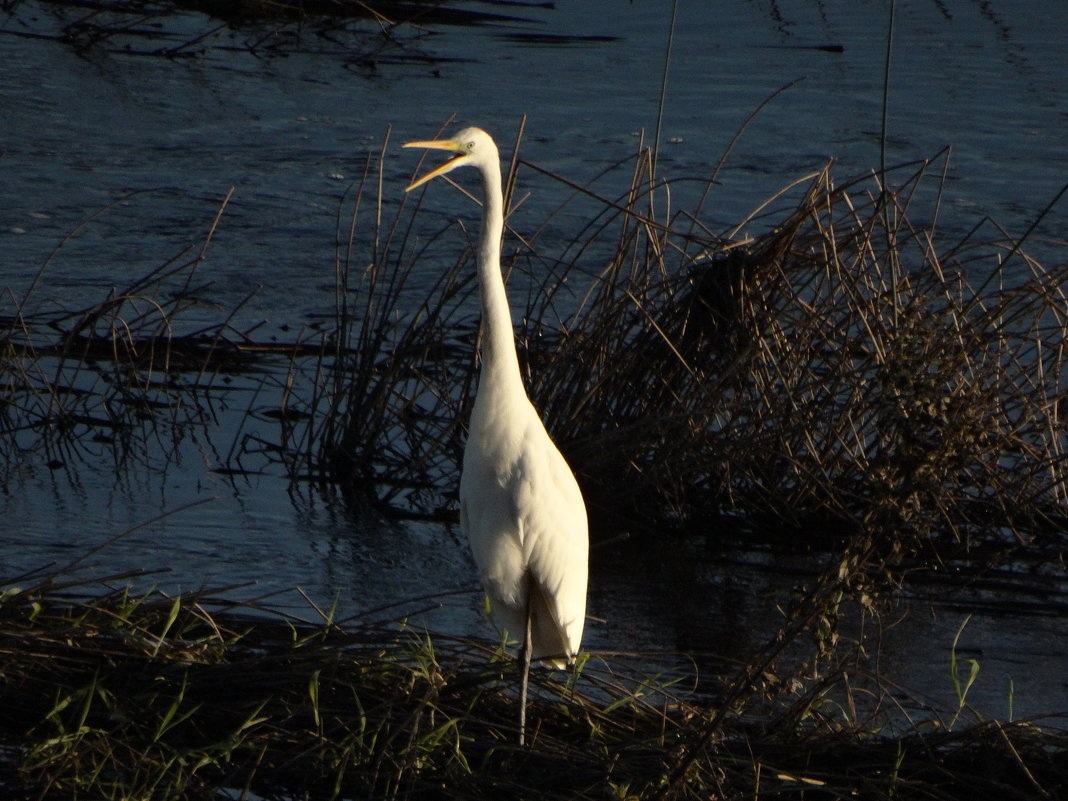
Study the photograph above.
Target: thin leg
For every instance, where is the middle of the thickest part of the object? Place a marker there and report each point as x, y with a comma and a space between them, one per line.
525, 676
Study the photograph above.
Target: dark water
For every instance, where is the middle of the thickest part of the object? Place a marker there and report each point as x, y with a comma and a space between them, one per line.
164, 141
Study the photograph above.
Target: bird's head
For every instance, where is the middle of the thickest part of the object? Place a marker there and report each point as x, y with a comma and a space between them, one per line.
471, 147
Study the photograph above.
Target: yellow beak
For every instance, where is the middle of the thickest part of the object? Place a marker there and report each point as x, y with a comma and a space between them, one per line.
437, 144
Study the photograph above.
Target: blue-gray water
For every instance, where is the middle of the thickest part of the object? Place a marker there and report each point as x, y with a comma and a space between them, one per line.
168, 138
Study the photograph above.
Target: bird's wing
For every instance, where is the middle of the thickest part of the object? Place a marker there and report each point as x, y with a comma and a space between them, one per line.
553, 531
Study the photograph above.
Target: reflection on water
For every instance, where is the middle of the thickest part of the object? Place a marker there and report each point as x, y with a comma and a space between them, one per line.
290, 134
160, 143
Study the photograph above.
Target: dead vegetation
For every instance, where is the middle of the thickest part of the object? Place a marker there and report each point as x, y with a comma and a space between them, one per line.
127, 379
843, 374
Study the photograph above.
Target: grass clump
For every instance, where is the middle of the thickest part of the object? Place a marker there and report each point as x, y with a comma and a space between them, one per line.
116, 695
836, 373
112, 694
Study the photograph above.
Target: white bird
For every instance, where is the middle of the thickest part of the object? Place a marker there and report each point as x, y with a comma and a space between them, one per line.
519, 502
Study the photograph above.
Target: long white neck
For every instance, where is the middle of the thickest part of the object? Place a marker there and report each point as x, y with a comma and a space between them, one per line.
500, 366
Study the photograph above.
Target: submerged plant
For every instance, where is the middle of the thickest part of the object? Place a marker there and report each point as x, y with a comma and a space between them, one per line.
961, 687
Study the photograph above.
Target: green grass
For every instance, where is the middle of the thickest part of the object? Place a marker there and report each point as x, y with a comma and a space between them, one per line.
111, 694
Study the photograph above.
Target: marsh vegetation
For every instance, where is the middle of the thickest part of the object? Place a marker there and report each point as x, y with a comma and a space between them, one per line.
829, 375
840, 373
109, 694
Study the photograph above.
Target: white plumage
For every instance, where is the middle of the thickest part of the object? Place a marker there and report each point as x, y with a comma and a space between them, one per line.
519, 502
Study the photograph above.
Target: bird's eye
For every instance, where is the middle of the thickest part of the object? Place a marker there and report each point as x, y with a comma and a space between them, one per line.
470, 146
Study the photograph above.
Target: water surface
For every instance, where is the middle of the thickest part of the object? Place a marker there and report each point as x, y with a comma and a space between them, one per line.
157, 144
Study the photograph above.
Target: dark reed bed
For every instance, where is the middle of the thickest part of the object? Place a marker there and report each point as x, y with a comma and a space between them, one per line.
841, 375
110, 694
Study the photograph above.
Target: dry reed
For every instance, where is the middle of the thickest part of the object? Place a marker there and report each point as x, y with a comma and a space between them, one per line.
840, 375
130, 374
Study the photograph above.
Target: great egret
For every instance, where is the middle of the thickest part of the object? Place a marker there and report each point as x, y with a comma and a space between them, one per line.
519, 502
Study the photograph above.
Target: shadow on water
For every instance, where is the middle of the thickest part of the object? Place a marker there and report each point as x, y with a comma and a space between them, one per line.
365, 35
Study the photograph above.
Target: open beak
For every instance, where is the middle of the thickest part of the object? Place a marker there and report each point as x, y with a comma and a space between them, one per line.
437, 144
